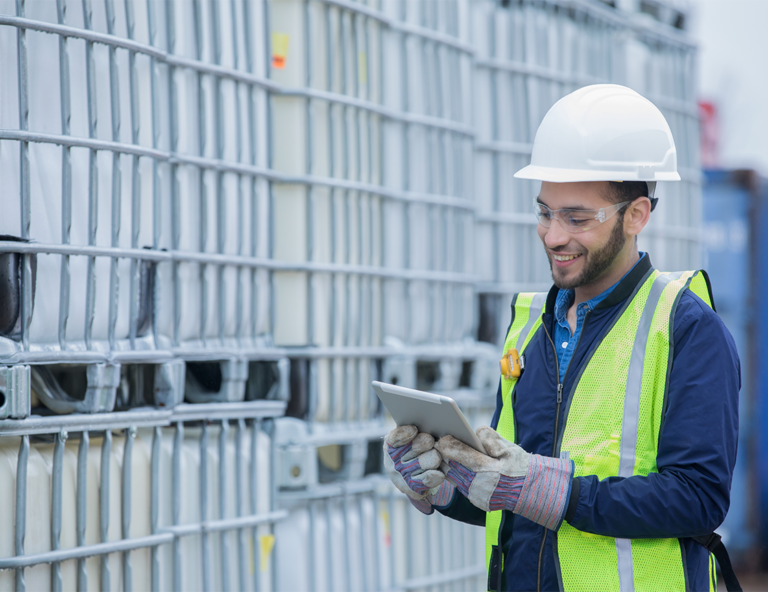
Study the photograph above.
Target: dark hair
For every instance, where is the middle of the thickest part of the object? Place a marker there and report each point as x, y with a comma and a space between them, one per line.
625, 191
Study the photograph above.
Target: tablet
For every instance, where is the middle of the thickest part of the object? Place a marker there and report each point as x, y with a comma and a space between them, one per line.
434, 414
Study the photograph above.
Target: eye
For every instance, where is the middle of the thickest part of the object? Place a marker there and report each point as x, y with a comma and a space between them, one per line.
543, 212
579, 218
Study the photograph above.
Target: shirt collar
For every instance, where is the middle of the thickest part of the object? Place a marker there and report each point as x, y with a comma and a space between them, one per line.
565, 298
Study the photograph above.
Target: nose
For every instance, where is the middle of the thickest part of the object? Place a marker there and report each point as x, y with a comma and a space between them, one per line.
556, 236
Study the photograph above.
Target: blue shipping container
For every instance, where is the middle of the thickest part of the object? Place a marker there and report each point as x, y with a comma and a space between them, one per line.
730, 202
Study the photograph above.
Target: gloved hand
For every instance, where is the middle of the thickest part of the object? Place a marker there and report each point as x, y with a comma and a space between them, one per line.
412, 464
509, 478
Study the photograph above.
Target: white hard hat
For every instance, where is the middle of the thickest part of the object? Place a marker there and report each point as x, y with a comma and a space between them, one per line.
603, 132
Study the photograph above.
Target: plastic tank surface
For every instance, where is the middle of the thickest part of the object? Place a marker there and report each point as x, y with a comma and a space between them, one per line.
223, 220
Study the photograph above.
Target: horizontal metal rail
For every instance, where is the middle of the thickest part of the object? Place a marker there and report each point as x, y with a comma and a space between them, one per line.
408, 28
152, 540
224, 411
226, 524
330, 490
140, 418
376, 108
238, 75
514, 218
51, 355
238, 168
223, 259
521, 148
537, 71
164, 537
444, 577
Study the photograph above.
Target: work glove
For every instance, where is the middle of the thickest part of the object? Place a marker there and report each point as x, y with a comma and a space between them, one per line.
413, 465
509, 478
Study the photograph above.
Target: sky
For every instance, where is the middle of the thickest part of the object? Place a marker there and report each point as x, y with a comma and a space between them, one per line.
733, 73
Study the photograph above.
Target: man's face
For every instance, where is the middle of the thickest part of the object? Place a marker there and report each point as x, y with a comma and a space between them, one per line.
582, 258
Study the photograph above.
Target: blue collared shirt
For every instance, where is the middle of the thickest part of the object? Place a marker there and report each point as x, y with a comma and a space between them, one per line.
565, 343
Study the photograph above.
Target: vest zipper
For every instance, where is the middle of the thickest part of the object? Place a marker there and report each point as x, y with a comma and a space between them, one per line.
557, 428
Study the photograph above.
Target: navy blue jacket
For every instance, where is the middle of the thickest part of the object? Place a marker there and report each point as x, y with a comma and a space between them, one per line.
690, 494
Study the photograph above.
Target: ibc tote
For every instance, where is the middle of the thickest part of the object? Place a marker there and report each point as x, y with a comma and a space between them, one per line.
233, 200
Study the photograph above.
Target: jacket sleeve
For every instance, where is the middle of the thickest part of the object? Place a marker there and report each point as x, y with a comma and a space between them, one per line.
690, 494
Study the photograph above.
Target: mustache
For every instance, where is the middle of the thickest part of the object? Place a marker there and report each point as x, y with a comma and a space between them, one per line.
565, 249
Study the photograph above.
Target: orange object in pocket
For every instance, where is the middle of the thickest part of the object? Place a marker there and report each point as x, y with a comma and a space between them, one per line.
511, 365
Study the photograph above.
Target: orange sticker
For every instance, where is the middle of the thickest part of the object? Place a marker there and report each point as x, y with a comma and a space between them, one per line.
279, 50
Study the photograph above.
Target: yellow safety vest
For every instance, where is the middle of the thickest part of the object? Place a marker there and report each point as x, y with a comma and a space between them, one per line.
612, 429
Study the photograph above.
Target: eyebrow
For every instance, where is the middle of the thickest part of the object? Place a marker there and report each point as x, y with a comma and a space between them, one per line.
572, 208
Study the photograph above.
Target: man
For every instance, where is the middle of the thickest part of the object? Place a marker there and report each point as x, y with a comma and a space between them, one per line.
614, 438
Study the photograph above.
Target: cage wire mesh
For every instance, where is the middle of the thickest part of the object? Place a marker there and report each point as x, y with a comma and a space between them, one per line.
223, 219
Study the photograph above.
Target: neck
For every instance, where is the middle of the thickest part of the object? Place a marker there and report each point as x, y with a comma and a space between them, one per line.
621, 265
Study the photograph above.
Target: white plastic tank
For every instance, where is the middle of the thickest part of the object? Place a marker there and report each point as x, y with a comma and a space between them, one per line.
38, 517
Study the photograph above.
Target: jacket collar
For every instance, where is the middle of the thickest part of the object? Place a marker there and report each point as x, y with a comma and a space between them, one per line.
626, 287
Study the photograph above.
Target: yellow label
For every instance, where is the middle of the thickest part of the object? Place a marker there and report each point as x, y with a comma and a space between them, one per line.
267, 544
387, 535
279, 50
362, 61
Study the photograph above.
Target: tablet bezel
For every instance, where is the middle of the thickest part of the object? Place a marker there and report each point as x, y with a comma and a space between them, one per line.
413, 407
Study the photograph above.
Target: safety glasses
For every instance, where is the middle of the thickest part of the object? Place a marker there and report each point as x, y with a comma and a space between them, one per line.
575, 220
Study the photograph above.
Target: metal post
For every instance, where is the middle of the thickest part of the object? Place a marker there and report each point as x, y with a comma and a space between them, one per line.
178, 451
240, 503
56, 497
313, 548
406, 172
170, 22
130, 436
82, 493
332, 198
114, 92
106, 453
253, 148
66, 176
391, 509
254, 483
378, 583
310, 197
24, 179
154, 504
332, 543
21, 508
224, 542
156, 192
93, 179
347, 228
202, 189
270, 152
135, 179
240, 197
221, 201
357, 392
363, 532
206, 549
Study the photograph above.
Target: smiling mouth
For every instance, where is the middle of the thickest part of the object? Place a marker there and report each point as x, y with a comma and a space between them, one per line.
565, 257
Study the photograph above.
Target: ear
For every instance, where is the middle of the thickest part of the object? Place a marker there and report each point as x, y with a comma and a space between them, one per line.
637, 215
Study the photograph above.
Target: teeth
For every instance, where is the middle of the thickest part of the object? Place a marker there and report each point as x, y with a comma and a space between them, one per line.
565, 257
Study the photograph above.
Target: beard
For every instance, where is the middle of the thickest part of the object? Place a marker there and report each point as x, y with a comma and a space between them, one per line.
596, 262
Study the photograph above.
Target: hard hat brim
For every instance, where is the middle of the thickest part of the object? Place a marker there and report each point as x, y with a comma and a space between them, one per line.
552, 175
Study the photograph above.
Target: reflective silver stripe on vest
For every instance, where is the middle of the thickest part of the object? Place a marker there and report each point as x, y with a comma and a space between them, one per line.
631, 418
534, 312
